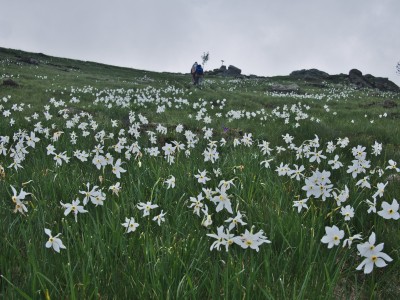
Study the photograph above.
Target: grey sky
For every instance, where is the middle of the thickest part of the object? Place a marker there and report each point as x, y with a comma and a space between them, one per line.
261, 37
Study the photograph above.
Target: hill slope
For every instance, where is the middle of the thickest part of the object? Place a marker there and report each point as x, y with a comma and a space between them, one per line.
122, 183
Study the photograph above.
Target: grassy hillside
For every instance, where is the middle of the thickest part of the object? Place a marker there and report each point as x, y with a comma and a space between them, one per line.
162, 189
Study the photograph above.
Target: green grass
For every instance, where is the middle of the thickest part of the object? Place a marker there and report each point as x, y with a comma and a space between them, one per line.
174, 261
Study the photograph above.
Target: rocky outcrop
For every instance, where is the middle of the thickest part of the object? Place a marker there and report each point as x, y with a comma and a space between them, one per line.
284, 88
310, 75
355, 77
389, 104
231, 71
368, 81
28, 60
10, 82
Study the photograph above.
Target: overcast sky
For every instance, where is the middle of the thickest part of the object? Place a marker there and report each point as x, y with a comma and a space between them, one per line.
261, 37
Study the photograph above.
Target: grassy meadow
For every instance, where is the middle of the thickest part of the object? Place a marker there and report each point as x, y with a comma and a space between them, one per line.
127, 184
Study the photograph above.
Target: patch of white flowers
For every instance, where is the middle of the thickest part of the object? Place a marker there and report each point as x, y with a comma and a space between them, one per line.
314, 165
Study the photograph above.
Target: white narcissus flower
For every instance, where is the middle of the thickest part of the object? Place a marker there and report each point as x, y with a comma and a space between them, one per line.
196, 203
32, 139
130, 225
282, 169
390, 211
160, 218
248, 239
170, 182
264, 148
296, 173
99, 199
381, 189
300, 204
377, 258
221, 200
168, 149
333, 236
90, 194
217, 172
336, 164
350, 240
366, 248
364, 183
222, 239
207, 220
376, 148
247, 139
317, 156
226, 184
393, 165
211, 154
373, 255
116, 169
347, 212
202, 177
234, 222
54, 241
146, 207
372, 205
73, 207
99, 161
17, 200
265, 163
116, 188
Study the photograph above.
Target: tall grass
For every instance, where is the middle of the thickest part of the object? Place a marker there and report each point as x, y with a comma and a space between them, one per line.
174, 261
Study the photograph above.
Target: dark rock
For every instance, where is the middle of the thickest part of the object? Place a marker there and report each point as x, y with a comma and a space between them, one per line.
223, 71
355, 73
310, 75
356, 77
384, 84
233, 71
389, 104
218, 71
369, 81
284, 88
10, 82
28, 60
338, 78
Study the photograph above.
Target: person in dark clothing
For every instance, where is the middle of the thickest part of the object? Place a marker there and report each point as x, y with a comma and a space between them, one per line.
193, 71
199, 74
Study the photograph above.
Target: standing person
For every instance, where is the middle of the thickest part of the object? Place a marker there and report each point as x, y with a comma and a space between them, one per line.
198, 74
193, 71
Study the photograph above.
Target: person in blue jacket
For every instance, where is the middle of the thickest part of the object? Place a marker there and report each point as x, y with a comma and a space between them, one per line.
199, 74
